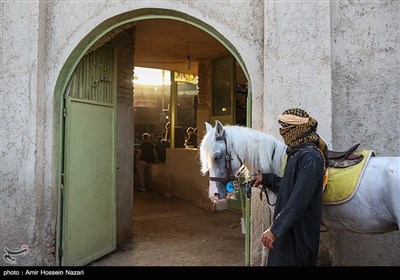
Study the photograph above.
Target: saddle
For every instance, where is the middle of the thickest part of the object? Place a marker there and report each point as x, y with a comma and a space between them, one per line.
344, 159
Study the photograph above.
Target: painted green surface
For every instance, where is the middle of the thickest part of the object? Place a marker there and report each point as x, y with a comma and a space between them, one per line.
92, 79
89, 190
237, 203
89, 200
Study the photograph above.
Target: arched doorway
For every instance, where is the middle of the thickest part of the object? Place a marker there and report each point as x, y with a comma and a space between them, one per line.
65, 201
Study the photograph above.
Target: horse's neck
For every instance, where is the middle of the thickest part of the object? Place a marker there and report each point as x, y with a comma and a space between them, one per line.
278, 158
267, 161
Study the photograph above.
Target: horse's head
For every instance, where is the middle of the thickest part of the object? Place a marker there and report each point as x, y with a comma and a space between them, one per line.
217, 158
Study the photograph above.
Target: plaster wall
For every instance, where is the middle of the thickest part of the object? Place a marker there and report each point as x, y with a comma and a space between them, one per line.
339, 61
365, 75
41, 42
180, 177
366, 106
297, 73
28, 214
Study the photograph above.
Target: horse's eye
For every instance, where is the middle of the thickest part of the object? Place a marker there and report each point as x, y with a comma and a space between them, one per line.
217, 157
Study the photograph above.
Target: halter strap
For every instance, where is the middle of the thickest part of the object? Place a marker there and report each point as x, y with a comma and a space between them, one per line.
272, 158
228, 164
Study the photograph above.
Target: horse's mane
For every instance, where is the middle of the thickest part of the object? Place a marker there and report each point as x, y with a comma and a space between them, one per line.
253, 147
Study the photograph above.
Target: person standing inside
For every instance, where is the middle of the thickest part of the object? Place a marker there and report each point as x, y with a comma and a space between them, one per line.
161, 148
146, 156
293, 237
191, 140
179, 136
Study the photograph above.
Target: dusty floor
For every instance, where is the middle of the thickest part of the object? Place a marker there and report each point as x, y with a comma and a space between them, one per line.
172, 232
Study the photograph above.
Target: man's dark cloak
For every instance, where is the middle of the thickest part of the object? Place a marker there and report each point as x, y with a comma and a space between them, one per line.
298, 208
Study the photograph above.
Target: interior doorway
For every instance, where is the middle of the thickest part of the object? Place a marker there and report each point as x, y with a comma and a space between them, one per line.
129, 40
168, 46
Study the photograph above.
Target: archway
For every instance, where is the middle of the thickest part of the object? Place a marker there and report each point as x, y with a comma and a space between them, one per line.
101, 34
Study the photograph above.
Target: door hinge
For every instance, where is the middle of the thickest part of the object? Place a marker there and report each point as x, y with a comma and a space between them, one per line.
64, 112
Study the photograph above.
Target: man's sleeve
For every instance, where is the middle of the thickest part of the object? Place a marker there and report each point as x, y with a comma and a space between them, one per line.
271, 181
308, 179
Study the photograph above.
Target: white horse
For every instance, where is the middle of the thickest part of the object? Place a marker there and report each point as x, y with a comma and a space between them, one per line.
374, 208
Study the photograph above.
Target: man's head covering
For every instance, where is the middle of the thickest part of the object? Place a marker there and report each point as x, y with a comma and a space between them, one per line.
299, 128
294, 116
146, 136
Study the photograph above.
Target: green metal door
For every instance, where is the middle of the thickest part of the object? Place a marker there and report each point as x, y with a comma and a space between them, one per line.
88, 201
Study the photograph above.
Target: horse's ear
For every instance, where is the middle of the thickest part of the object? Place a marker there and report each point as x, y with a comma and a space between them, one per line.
208, 126
219, 128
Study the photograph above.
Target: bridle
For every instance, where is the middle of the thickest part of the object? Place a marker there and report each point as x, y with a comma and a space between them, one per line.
228, 164
230, 177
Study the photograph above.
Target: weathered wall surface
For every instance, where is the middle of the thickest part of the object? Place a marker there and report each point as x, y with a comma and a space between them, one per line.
346, 75
27, 215
366, 105
297, 62
40, 42
297, 73
365, 75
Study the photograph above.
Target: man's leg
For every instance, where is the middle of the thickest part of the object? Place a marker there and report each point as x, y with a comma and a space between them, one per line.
141, 168
148, 175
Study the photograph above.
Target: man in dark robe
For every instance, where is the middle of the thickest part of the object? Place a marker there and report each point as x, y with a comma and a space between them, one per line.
293, 237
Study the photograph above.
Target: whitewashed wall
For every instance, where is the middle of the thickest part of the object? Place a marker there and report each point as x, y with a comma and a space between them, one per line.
27, 194
365, 39
297, 73
340, 61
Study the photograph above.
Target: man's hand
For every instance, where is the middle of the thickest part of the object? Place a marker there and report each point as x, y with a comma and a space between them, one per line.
268, 239
257, 179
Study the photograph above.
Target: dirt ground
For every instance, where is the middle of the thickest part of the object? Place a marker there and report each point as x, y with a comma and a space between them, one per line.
173, 232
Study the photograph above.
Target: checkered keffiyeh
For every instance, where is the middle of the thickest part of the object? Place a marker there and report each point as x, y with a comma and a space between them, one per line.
299, 128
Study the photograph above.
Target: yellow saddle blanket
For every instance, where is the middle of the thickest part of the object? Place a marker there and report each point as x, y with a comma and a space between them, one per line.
343, 182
